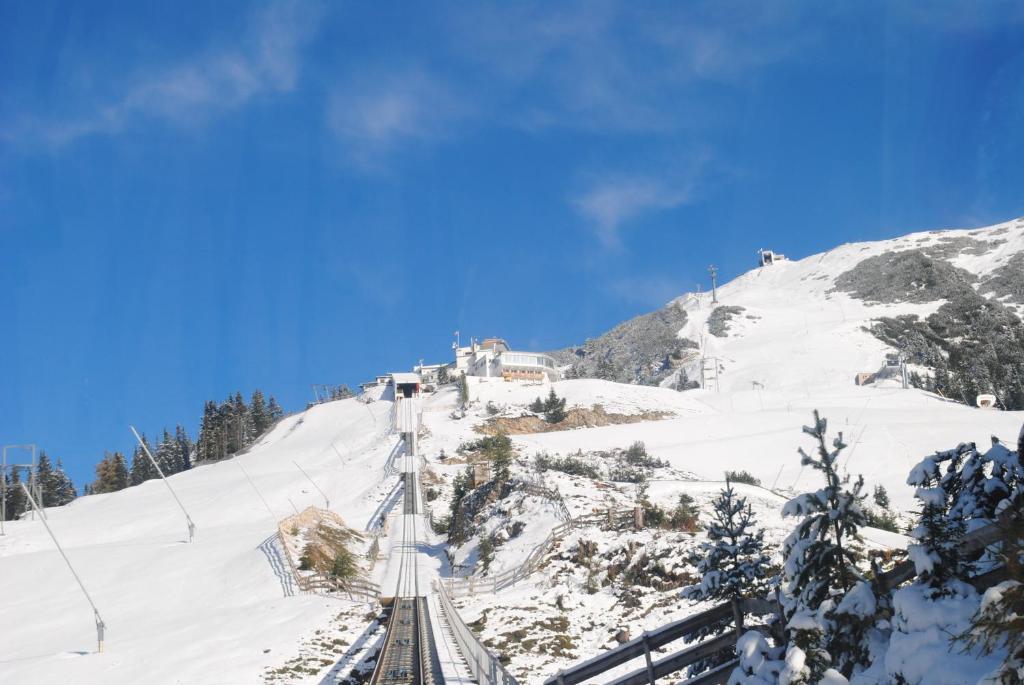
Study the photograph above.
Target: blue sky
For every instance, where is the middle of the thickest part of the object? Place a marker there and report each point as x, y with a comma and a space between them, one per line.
216, 196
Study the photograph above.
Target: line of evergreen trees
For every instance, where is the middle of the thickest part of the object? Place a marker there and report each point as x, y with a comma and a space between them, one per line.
58, 489
231, 426
227, 428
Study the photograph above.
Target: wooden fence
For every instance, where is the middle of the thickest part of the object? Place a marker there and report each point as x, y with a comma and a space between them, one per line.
315, 582
974, 543
461, 587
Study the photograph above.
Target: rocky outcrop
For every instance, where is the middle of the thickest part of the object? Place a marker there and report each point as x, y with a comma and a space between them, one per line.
643, 350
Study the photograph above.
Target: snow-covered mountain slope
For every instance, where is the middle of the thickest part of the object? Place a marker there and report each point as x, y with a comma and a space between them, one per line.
224, 609
220, 610
799, 333
813, 298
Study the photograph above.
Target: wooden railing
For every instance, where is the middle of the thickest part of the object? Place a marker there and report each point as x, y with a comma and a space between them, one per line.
460, 587
552, 496
973, 544
320, 583
646, 644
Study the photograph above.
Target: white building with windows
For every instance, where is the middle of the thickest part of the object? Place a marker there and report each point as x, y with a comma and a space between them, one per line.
493, 358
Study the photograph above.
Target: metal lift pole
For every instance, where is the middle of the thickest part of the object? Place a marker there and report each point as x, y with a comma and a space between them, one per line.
100, 625
191, 525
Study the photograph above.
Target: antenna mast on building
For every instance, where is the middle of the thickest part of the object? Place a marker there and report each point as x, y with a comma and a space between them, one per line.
713, 270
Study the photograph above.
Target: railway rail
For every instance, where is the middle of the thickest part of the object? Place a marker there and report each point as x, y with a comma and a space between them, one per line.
409, 655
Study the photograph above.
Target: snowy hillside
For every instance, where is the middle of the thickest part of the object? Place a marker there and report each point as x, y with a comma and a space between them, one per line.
225, 609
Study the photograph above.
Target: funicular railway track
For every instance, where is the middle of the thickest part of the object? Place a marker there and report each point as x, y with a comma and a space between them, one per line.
409, 656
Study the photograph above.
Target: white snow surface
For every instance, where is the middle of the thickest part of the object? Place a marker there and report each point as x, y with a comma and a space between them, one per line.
223, 609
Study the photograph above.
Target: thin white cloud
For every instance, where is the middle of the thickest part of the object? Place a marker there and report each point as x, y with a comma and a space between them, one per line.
651, 291
611, 203
608, 65
266, 60
373, 114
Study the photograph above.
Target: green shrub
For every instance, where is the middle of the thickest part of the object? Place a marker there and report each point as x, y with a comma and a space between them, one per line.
684, 516
567, 464
553, 407
486, 552
636, 455
741, 477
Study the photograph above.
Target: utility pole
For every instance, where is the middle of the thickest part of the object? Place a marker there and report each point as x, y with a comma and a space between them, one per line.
713, 270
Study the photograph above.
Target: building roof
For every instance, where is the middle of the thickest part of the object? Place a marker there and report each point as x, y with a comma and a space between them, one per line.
490, 343
403, 378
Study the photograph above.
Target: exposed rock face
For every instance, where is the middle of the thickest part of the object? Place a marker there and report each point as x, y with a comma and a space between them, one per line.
907, 276
642, 350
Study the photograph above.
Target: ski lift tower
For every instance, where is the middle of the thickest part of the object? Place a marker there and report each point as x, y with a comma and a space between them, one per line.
713, 270
34, 486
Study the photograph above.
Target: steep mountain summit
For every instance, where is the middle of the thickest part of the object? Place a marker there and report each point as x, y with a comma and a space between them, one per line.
819, 321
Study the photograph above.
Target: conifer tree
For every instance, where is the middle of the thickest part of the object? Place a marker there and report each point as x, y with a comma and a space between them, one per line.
258, 413
185, 447
111, 474
732, 561
554, 408
501, 457
936, 556
58, 489
168, 455
822, 556
44, 478
274, 409
62, 487
142, 468
16, 503
208, 447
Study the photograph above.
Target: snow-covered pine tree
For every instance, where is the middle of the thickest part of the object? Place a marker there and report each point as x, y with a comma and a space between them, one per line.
57, 487
828, 604
167, 455
63, 488
275, 409
240, 432
142, 468
185, 447
732, 563
259, 415
208, 445
960, 490
938, 534
998, 624
44, 477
